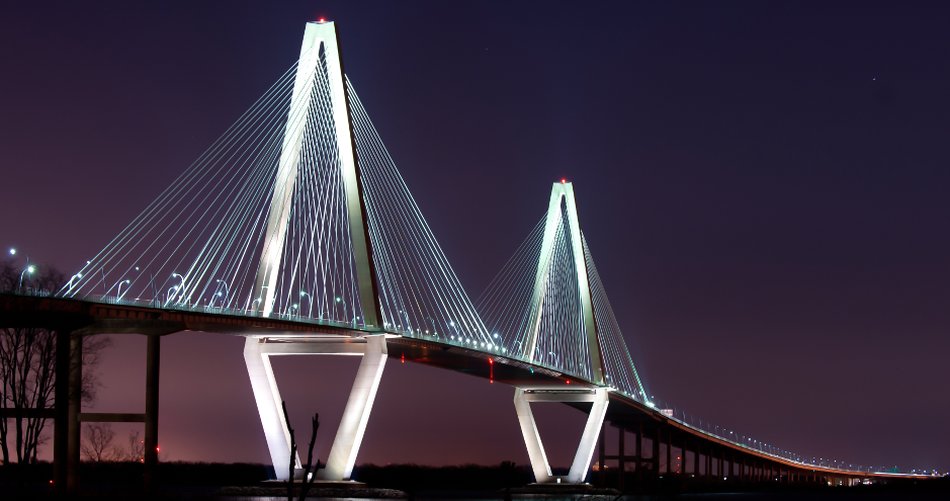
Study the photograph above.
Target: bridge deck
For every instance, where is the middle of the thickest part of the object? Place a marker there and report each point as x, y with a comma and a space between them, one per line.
90, 318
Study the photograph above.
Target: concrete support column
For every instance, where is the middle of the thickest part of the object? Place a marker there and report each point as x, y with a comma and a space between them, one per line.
655, 459
61, 410
349, 436
638, 450
669, 453
75, 408
622, 460
529, 430
684, 466
152, 371
267, 396
622, 450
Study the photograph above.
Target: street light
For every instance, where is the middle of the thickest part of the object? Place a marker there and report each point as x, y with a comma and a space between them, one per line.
118, 290
12, 251
175, 288
29, 269
227, 292
72, 279
339, 300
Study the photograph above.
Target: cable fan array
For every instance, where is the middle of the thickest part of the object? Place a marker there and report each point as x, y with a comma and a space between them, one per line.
198, 246
556, 319
620, 372
419, 292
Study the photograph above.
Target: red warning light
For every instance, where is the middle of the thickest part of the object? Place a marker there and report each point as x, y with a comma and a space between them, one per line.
322, 20
567, 381
402, 358
563, 180
491, 361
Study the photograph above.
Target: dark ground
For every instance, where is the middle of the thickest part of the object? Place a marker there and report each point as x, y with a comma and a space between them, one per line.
199, 481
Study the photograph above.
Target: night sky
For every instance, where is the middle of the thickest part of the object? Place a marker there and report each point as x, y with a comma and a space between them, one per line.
763, 186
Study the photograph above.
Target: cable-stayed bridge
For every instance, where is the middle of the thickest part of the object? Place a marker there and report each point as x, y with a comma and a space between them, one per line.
296, 230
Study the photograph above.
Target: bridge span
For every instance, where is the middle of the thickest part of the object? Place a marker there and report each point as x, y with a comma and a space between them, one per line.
296, 231
661, 445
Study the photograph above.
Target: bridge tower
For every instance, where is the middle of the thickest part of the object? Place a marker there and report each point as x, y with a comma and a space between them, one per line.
562, 208
319, 53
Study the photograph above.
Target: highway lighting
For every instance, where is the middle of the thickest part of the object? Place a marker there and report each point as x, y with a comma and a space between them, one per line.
29, 269
175, 289
227, 291
118, 291
72, 280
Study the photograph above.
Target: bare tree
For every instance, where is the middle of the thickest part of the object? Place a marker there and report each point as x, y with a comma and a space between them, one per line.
309, 469
28, 368
97, 442
136, 451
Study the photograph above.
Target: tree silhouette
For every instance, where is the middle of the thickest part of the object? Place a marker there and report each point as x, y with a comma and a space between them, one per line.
28, 367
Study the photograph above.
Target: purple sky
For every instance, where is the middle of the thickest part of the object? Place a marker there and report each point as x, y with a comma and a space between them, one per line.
764, 188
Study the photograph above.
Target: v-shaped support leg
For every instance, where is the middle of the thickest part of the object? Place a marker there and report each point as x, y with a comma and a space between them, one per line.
349, 436
532, 439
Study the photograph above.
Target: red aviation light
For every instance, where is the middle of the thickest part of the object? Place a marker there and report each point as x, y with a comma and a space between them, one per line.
567, 381
322, 20
563, 180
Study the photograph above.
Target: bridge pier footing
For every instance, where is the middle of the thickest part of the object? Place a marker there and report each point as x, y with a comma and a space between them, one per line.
598, 397
346, 444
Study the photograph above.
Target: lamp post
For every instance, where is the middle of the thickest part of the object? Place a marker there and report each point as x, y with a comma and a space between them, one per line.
174, 290
71, 283
407, 326
118, 290
29, 269
227, 292
339, 301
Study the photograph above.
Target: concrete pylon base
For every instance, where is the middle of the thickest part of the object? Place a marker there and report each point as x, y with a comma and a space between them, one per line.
598, 397
349, 436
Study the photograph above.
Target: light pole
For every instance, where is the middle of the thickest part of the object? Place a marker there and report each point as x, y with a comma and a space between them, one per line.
407, 326
339, 300
118, 290
227, 292
72, 280
173, 290
29, 269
